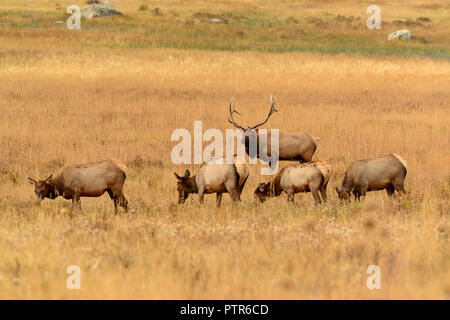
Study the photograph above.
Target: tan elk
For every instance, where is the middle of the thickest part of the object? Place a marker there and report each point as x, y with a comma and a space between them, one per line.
213, 178
387, 172
86, 180
292, 146
311, 177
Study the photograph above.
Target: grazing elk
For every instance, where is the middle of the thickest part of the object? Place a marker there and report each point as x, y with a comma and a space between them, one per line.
387, 172
292, 146
86, 180
213, 178
311, 177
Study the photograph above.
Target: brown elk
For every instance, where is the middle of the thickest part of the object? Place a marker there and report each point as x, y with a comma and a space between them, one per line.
311, 177
292, 146
213, 178
387, 172
86, 180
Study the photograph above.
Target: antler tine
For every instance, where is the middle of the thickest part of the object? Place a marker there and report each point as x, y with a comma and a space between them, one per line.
272, 110
273, 104
234, 106
231, 118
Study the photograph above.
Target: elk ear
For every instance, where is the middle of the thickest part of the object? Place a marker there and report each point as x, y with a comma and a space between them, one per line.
31, 180
261, 187
48, 179
187, 174
177, 176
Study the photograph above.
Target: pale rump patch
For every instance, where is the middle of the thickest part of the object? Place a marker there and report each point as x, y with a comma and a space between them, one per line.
118, 164
323, 167
403, 161
243, 172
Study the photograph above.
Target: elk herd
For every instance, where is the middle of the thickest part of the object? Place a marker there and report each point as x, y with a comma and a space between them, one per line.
94, 179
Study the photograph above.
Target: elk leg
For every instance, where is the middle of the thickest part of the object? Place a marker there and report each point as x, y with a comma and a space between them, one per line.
316, 196
398, 186
200, 197
120, 199
234, 194
364, 189
323, 192
390, 190
290, 194
218, 199
363, 192
111, 195
76, 198
124, 202
232, 187
115, 200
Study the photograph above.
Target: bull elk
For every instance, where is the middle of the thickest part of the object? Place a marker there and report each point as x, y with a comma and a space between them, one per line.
213, 178
292, 146
311, 177
387, 172
86, 180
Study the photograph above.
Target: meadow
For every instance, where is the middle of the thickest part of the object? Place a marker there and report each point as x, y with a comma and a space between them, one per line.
119, 90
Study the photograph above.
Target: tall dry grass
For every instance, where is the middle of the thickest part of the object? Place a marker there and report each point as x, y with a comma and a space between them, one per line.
65, 107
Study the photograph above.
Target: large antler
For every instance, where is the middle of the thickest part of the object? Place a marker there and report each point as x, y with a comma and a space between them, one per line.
231, 119
272, 110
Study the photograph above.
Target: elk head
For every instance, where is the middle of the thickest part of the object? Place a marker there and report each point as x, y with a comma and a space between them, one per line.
342, 194
42, 188
262, 192
185, 185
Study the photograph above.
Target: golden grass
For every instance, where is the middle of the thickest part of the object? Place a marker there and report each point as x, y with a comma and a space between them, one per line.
63, 105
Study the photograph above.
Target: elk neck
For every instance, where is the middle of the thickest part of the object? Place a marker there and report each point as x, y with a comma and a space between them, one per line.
254, 134
346, 183
275, 187
53, 191
275, 184
192, 185
56, 187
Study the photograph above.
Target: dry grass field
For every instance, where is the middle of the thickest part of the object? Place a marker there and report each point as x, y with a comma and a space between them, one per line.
64, 102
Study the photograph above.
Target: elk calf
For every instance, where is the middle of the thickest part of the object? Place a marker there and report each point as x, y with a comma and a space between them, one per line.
86, 180
213, 178
311, 177
387, 172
